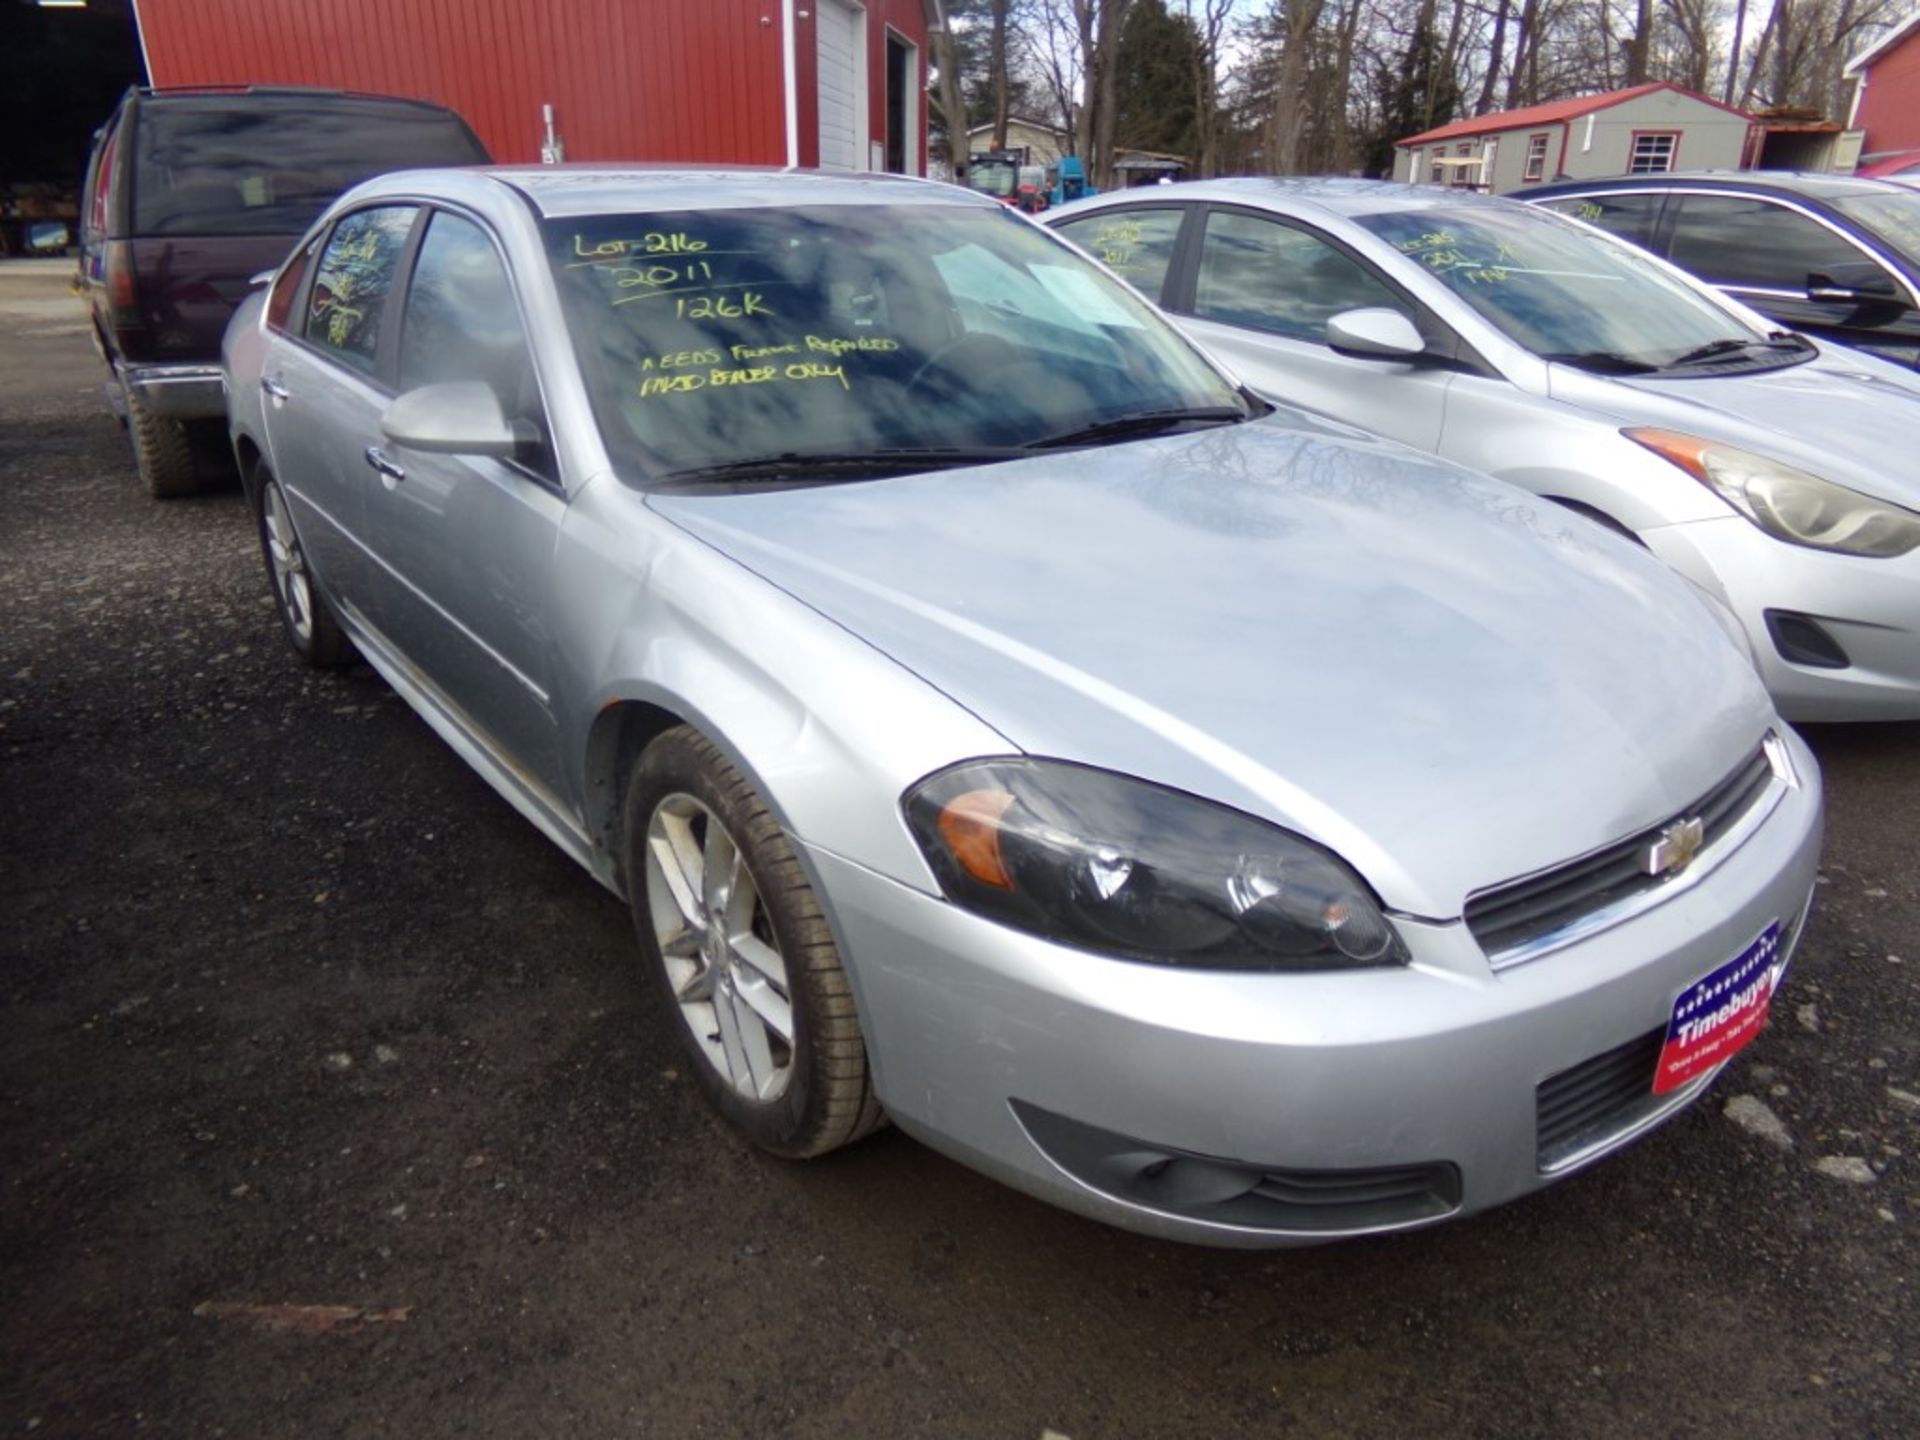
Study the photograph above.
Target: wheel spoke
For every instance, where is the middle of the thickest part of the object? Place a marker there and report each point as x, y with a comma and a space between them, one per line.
732, 1045
760, 959
677, 858
719, 862
699, 984
768, 1004
753, 1038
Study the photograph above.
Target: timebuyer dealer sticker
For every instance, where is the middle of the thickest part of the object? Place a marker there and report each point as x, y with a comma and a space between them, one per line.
1717, 1016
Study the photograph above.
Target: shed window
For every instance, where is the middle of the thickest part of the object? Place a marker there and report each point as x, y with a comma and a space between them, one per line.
1653, 154
1536, 157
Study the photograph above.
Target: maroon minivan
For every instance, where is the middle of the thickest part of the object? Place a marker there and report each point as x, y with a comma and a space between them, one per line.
190, 194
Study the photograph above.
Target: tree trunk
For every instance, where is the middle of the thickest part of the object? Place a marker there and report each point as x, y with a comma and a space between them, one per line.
1733, 58
1640, 46
952, 99
1495, 52
997, 71
1282, 140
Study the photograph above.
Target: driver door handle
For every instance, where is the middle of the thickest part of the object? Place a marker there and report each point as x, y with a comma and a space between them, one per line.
273, 389
377, 458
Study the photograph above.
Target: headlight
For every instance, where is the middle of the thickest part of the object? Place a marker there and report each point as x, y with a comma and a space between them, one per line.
1789, 504
1118, 866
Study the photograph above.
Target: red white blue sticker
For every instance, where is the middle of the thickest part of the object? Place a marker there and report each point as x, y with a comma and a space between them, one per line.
1714, 1018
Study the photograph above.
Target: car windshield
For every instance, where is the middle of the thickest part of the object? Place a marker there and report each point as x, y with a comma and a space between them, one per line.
727, 336
1565, 293
997, 178
1894, 218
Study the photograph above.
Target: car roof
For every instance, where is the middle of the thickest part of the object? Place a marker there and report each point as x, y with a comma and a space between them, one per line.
1810, 184
1330, 194
563, 190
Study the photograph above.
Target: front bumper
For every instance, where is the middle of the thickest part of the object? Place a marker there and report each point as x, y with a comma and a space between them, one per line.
1870, 608
982, 1039
177, 392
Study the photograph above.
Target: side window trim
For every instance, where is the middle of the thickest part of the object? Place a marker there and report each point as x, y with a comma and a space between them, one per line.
1446, 341
380, 377
392, 324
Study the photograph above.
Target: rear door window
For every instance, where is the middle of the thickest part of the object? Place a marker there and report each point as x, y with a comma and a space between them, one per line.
1137, 245
1754, 244
267, 165
355, 276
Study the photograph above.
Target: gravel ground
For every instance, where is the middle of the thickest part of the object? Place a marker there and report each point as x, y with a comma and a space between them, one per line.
299, 1013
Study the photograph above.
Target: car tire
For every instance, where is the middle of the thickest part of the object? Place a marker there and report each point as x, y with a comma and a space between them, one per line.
162, 452
306, 617
738, 954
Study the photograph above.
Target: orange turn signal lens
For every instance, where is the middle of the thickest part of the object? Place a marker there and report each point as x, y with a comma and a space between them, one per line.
1689, 452
970, 824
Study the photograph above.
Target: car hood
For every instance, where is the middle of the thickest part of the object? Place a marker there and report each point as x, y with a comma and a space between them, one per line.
1445, 680
1846, 417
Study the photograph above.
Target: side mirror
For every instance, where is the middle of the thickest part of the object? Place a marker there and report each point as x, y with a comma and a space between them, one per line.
1855, 283
1374, 333
457, 417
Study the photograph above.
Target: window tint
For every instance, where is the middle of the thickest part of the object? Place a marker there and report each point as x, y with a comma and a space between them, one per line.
267, 165
1734, 241
1628, 216
355, 277
1272, 277
461, 322
280, 302
1137, 245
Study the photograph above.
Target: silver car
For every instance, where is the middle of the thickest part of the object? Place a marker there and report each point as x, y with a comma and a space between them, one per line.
1774, 472
1216, 821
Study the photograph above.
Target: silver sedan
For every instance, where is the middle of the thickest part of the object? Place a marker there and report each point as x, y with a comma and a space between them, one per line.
1210, 819
1774, 472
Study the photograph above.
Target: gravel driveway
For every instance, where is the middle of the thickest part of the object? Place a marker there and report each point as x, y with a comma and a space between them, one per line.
335, 1105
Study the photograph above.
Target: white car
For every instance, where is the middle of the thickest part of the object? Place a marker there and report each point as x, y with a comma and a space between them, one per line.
1777, 474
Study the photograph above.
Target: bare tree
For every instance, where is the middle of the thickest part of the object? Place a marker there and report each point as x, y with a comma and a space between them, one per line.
1209, 21
998, 12
952, 100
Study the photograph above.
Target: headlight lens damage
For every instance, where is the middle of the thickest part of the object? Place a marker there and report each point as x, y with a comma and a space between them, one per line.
1115, 865
1789, 504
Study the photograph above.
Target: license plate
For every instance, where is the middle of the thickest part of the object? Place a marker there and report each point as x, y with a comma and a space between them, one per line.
1715, 1017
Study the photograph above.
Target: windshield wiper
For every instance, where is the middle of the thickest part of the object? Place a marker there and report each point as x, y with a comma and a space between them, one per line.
1713, 349
1142, 422
844, 465
1603, 362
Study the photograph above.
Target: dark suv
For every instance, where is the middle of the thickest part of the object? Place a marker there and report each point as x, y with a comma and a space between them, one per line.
189, 195
1829, 255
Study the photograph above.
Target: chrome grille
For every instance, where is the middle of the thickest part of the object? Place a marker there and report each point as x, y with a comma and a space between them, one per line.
1516, 915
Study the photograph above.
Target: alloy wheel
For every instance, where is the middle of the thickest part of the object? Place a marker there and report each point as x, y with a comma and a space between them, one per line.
716, 940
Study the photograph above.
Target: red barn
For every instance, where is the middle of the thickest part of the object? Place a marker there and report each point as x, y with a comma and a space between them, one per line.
838, 84
1886, 98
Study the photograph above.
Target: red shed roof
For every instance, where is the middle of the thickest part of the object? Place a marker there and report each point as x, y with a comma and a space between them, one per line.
1553, 113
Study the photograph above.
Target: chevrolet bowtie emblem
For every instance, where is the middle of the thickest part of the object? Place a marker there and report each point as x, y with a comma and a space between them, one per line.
1675, 848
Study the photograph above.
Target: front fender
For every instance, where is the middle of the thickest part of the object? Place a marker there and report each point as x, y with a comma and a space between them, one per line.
826, 728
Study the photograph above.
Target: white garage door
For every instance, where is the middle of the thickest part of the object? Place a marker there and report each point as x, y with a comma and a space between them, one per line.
842, 32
